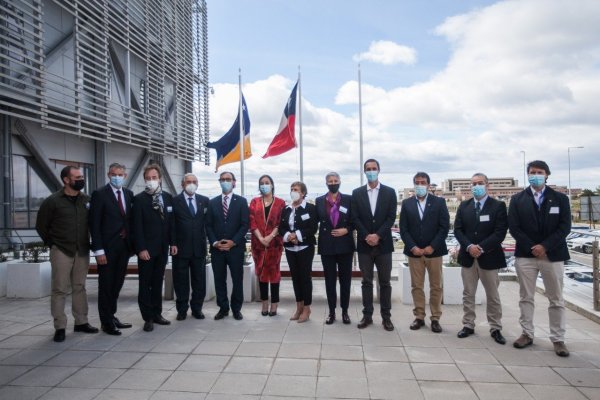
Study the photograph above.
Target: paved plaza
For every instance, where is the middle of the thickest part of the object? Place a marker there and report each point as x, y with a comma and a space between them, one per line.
274, 358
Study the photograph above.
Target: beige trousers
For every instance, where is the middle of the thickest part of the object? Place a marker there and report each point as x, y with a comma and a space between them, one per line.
490, 281
417, 267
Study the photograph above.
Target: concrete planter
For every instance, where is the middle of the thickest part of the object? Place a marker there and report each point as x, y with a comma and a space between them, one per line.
3, 272
28, 280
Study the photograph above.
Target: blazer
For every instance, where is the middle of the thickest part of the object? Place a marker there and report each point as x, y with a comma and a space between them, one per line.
330, 245
381, 223
548, 226
150, 231
488, 231
189, 233
306, 221
432, 230
234, 227
106, 221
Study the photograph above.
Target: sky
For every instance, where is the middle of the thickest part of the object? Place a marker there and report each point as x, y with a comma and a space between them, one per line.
448, 87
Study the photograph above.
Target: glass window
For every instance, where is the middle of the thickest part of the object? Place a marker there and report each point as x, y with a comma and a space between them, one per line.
28, 193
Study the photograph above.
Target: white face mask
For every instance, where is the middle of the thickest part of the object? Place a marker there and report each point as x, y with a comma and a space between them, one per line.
152, 185
295, 196
191, 188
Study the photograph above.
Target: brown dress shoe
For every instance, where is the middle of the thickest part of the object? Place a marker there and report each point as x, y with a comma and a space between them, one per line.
560, 349
435, 326
417, 324
523, 341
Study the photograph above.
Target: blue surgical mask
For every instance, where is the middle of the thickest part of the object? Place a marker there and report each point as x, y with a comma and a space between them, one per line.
117, 181
537, 180
226, 186
421, 190
478, 191
265, 189
372, 175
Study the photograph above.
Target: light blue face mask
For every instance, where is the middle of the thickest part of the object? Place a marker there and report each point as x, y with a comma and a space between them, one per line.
478, 191
536, 180
226, 186
265, 189
421, 190
117, 181
372, 175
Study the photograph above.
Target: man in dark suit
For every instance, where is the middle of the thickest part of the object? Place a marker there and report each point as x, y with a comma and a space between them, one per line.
539, 218
336, 244
152, 225
189, 238
110, 228
373, 214
480, 227
424, 225
227, 224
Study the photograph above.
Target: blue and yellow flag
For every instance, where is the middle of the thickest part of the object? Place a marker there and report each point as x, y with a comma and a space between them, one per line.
228, 147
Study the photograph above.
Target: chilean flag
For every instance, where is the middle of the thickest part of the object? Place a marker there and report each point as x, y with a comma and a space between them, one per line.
285, 139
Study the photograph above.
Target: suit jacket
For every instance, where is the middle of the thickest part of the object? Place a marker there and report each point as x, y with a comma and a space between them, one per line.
189, 230
548, 226
488, 231
381, 223
306, 221
106, 221
432, 230
234, 227
150, 231
330, 245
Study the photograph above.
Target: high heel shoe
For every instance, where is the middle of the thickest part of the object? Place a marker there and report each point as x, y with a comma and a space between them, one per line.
305, 314
273, 311
299, 308
265, 308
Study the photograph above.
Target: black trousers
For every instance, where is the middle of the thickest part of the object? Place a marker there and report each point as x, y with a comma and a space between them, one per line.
366, 261
264, 291
337, 265
234, 259
151, 276
186, 272
110, 279
300, 263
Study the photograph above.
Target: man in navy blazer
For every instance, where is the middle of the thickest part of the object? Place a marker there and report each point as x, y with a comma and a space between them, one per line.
110, 229
189, 237
227, 224
424, 225
373, 214
539, 218
480, 227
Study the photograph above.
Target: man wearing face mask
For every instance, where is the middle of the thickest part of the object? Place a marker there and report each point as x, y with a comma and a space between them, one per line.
110, 228
539, 218
227, 225
373, 214
480, 227
189, 238
424, 225
152, 236
62, 223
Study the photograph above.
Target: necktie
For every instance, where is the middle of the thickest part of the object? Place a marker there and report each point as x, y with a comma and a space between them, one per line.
225, 207
120, 201
191, 206
477, 209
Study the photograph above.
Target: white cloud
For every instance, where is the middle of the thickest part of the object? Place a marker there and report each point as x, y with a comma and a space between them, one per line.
388, 53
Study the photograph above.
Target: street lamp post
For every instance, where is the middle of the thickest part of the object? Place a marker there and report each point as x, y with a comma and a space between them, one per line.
569, 161
524, 171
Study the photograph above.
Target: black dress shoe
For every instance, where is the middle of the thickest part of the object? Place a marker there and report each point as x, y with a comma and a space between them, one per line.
497, 335
161, 321
387, 324
59, 335
435, 326
85, 328
148, 326
238, 315
181, 316
417, 324
346, 318
110, 330
198, 314
465, 332
121, 325
221, 314
366, 321
330, 319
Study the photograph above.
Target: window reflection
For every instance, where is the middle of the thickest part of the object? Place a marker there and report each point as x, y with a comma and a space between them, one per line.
28, 193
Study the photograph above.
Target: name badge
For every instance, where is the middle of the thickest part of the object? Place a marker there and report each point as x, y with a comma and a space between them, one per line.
343, 210
484, 218
554, 210
169, 209
304, 217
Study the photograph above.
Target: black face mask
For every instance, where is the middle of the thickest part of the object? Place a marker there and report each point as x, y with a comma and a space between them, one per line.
334, 188
78, 184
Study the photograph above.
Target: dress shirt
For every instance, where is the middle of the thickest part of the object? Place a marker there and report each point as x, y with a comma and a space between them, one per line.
373, 194
297, 247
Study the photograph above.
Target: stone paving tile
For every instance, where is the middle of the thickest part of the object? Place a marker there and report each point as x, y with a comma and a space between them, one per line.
381, 353
288, 385
299, 350
141, 379
447, 390
190, 381
171, 395
167, 362
11, 372
485, 373
70, 393
500, 391
73, 358
341, 352
589, 377
44, 376
249, 365
235, 384
547, 392
22, 392
390, 387
342, 386
295, 366
117, 359
204, 363
129, 394
437, 372
536, 375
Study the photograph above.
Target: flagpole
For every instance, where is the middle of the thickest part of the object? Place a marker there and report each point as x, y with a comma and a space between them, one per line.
300, 122
242, 136
360, 125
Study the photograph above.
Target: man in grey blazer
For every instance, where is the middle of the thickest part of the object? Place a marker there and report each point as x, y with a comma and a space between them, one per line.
373, 214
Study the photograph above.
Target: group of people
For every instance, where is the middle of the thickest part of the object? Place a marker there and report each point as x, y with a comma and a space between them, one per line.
154, 224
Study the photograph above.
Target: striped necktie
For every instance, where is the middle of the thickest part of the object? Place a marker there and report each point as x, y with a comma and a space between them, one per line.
225, 207
477, 209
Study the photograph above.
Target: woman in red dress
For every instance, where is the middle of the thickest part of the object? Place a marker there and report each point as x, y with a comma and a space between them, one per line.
267, 245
